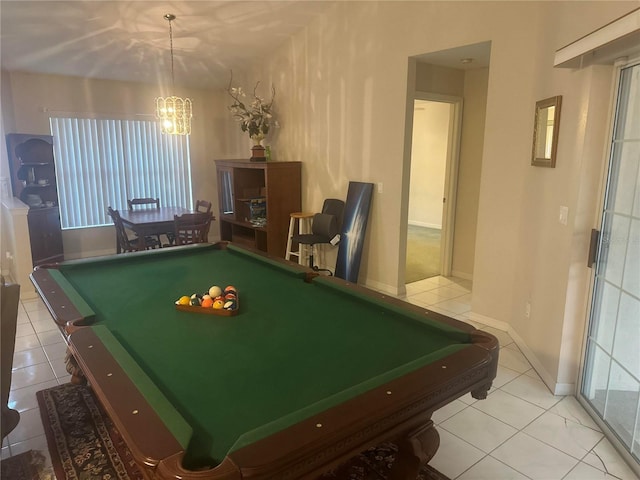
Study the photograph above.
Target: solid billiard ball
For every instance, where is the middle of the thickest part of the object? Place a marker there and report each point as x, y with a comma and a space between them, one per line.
183, 300
207, 302
218, 304
215, 291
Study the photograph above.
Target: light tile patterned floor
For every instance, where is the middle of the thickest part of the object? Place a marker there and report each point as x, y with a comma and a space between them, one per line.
521, 431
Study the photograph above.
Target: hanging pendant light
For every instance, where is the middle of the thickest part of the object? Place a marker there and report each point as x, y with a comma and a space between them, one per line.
173, 112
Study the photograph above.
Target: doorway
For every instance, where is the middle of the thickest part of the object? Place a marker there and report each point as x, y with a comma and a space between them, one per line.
432, 188
611, 377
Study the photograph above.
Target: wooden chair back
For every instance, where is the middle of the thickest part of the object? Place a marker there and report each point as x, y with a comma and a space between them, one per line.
155, 202
203, 206
192, 228
123, 243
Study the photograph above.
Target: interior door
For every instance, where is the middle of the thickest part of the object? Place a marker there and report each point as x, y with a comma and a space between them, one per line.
611, 375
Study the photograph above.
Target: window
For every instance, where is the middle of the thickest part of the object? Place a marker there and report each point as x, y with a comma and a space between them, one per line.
101, 163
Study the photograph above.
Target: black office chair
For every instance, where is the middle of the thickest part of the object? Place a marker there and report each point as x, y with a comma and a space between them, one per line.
325, 228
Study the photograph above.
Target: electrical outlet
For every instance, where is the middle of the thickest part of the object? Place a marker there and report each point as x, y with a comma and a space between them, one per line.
380, 187
527, 309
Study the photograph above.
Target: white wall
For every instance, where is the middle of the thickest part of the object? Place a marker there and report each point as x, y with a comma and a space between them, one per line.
469, 171
343, 110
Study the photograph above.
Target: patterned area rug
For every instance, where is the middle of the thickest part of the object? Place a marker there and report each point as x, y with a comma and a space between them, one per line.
82, 441
25, 466
84, 444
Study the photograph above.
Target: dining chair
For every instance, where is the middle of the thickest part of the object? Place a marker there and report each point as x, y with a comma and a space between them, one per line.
143, 202
192, 227
203, 206
125, 244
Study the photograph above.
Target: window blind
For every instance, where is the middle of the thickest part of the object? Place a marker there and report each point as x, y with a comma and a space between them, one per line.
101, 163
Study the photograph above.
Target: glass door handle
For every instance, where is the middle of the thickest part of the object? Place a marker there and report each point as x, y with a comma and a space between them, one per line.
593, 247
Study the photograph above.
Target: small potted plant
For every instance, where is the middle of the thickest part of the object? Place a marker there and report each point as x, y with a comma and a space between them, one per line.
254, 116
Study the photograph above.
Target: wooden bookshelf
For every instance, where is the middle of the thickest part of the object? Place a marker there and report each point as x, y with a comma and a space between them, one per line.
245, 190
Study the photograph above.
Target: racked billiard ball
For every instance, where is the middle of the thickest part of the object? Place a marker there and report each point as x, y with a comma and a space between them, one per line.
215, 291
207, 302
218, 304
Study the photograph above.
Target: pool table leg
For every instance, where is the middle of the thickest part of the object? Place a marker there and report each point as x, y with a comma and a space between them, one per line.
414, 451
481, 393
71, 365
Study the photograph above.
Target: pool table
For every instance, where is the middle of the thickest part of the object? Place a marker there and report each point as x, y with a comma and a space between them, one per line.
309, 372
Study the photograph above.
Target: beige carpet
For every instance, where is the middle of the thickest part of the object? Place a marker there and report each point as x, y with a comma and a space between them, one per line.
423, 253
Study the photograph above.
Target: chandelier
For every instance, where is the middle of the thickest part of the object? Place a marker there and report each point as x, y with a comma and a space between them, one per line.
173, 112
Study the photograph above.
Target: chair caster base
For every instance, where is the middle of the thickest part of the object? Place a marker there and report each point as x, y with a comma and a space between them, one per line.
318, 269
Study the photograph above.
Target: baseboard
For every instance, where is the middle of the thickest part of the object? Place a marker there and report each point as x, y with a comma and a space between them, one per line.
463, 275
555, 387
489, 321
414, 223
384, 288
551, 383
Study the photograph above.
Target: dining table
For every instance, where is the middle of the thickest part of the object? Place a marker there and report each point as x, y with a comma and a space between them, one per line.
150, 222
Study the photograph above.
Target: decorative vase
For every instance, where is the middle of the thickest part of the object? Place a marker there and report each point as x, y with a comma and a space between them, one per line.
257, 151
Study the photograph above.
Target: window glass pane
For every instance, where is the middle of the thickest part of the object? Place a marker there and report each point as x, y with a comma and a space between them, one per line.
103, 163
628, 121
625, 164
594, 387
605, 311
631, 278
626, 349
622, 403
613, 247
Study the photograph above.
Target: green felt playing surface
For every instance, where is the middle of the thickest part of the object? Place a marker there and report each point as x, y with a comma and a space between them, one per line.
294, 349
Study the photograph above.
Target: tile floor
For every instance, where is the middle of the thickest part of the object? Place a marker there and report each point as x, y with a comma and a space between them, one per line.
521, 431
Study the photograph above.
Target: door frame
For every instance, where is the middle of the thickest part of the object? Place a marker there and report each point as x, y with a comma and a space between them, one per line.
451, 173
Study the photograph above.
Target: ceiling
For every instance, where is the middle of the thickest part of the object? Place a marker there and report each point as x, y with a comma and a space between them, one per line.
129, 40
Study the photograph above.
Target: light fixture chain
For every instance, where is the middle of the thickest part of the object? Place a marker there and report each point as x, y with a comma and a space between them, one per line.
173, 80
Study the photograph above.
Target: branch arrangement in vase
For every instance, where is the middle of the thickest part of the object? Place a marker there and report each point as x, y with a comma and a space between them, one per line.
253, 114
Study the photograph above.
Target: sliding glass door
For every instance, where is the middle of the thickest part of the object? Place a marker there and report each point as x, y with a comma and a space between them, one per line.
611, 376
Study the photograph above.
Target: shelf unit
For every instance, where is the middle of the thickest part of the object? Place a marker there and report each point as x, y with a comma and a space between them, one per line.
245, 190
33, 181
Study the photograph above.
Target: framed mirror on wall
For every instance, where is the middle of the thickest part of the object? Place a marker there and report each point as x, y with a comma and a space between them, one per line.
545, 132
